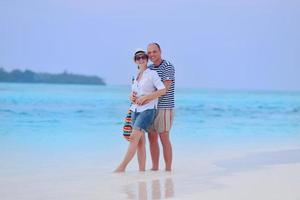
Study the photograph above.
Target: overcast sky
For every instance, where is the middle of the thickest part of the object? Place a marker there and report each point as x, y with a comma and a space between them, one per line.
233, 44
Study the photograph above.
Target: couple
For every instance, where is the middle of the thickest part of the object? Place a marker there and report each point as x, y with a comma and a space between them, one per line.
152, 107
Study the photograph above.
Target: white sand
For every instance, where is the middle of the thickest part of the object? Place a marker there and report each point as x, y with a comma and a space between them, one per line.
269, 183
261, 175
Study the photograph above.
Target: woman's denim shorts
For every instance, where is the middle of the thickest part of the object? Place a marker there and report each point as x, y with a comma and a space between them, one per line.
143, 120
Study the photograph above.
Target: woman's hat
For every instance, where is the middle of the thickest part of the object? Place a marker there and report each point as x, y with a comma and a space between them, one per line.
139, 51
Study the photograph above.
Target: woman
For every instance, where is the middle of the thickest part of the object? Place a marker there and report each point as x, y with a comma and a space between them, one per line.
147, 87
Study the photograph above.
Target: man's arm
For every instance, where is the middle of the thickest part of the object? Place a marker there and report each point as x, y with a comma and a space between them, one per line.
167, 84
147, 98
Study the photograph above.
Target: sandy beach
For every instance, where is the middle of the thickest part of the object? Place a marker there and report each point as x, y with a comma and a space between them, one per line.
268, 175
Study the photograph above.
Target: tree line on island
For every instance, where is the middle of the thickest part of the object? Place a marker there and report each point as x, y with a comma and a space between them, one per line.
28, 76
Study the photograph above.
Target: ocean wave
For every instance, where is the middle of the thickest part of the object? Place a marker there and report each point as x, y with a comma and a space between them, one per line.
295, 110
7, 111
79, 111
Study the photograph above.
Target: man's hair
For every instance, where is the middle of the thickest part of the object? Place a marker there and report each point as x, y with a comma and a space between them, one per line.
156, 44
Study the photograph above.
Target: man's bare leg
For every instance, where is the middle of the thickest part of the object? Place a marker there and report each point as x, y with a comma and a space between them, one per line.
167, 149
154, 149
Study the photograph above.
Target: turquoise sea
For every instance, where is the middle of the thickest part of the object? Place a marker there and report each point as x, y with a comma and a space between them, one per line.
56, 115
44, 109
63, 111
48, 119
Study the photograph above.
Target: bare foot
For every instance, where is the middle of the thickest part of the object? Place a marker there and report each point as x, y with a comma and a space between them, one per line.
119, 170
154, 169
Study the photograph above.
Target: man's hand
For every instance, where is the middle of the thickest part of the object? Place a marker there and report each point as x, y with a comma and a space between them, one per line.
142, 100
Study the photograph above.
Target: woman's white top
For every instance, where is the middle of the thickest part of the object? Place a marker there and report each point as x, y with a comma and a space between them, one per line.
148, 83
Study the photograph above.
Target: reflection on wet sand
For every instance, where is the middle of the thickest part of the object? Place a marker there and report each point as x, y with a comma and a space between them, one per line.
169, 188
154, 189
156, 193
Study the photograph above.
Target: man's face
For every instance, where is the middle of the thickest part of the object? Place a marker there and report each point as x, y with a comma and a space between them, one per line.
154, 53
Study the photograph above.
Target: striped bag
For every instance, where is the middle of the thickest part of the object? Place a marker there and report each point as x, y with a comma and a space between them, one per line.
127, 128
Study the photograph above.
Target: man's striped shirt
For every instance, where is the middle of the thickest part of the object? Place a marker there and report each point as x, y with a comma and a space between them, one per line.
166, 71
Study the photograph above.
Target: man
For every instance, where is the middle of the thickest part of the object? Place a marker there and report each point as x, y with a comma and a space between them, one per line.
165, 109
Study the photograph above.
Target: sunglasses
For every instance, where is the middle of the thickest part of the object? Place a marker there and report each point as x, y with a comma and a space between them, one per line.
144, 57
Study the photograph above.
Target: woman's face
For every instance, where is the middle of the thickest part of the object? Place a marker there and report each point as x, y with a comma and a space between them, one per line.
141, 60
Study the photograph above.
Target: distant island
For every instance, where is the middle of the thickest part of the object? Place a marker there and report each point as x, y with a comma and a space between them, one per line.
28, 76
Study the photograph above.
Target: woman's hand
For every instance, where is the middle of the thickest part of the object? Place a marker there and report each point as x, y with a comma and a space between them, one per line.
129, 138
133, 97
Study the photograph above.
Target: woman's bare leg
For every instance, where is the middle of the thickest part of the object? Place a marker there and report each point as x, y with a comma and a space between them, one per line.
141, 153
135, 137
